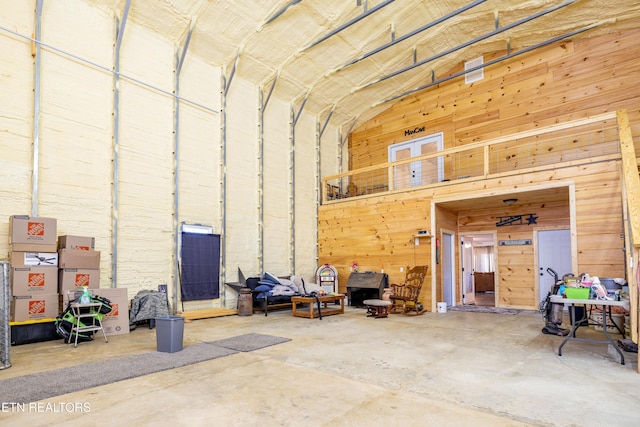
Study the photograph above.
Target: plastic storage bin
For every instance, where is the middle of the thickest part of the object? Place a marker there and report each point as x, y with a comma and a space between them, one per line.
169, 333
577, 293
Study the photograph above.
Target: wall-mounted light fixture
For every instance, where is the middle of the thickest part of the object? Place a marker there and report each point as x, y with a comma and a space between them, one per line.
510, 202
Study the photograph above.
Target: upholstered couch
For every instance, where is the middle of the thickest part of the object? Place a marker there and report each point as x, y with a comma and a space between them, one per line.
270, 292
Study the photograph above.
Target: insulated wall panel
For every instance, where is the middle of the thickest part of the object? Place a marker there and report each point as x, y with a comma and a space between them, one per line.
199, 144
277, 187
16, 112
306, 197
145, 221
242, 177
76, 122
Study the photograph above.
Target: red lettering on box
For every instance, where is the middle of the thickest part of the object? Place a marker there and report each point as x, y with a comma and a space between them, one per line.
82, 279
35, 228
36, 280
37, 307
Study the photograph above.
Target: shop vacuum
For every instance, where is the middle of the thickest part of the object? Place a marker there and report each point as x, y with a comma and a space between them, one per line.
552, 312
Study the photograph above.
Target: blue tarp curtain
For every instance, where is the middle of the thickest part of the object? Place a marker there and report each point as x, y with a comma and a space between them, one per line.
200, 273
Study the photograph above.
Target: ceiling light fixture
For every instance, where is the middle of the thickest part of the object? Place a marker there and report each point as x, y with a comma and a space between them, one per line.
510, 202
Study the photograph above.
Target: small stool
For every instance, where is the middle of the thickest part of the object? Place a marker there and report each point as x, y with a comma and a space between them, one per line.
377, 308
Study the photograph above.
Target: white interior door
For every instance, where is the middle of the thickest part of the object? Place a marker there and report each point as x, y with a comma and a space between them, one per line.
554, 251
448, 269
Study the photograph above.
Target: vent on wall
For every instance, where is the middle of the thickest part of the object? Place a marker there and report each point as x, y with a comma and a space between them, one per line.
475, 75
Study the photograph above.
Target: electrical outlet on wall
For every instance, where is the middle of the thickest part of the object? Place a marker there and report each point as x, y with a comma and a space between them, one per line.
401, 269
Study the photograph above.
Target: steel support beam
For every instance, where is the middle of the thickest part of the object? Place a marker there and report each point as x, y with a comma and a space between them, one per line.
279, 12
35, 173
180, 56
346, 25
115, 189
395, 40
108, 70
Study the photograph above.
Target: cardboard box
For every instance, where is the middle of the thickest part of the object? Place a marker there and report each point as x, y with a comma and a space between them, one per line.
31, 229
34, 280
32, 247
33, 259
34, 307
74, 258
81, 243
70, 279
117, 321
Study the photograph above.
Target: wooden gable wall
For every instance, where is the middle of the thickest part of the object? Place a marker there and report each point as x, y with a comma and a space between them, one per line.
563, 82
559, 83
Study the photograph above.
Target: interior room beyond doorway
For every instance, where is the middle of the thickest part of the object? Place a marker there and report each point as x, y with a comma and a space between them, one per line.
479, 251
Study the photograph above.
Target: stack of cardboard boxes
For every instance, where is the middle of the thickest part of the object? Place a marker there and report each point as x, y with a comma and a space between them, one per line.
34, 263
79, 264
48, 270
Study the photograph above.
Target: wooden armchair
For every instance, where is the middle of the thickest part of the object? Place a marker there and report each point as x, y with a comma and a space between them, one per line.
404, 297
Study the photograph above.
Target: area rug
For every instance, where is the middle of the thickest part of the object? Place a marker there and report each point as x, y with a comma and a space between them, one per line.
44, 385
249, 342
484, 309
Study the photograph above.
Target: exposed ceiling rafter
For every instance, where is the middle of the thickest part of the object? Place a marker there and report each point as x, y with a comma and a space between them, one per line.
346, 25
410, 34
281, 11
329, 47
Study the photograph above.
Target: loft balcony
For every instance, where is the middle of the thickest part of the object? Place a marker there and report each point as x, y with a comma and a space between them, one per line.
584, 141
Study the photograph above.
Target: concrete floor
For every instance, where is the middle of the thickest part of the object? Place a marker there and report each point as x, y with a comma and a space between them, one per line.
438, 369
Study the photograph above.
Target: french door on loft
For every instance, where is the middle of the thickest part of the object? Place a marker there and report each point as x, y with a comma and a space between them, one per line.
417, 173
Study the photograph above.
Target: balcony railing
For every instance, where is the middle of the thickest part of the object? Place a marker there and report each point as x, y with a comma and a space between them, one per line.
575, 142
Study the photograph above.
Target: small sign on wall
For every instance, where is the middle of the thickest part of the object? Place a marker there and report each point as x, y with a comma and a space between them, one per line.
514, 242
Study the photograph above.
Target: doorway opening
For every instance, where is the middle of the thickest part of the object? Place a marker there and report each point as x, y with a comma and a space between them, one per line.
478, 269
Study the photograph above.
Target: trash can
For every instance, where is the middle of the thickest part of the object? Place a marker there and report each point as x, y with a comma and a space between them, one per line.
169, 333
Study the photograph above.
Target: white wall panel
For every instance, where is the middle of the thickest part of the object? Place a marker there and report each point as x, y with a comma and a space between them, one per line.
276, 187
16, 110
200, 82
306, 197
76, 124
76, 158
145, 215
242, 179
199, 145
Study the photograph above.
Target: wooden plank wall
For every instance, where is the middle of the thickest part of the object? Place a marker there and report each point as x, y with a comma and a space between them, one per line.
377, 235
379, 232
563, 82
